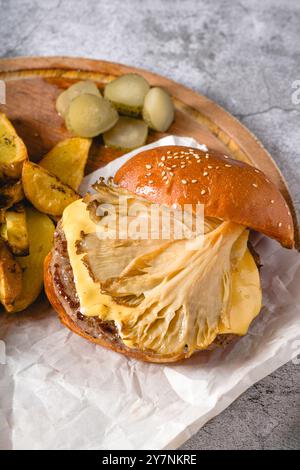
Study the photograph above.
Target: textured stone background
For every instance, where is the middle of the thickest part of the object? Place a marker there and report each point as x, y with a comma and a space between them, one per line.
243, 54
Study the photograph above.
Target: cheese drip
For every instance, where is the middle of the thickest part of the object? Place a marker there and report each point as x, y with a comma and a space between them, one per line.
165, 296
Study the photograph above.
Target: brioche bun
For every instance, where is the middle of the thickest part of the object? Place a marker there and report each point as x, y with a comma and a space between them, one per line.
229, 189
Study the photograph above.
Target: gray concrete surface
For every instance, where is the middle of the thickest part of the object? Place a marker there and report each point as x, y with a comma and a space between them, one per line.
243, 54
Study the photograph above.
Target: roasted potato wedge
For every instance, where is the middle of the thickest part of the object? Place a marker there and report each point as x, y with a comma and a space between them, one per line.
16, 230
2, 216
40, 233
11, 192
3, 231
67, 160
10, 278
45, 191
12, 150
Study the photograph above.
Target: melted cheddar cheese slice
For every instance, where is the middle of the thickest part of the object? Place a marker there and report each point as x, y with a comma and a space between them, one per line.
182, 297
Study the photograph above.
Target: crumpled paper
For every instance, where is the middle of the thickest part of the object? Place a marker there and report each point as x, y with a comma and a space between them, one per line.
58, 391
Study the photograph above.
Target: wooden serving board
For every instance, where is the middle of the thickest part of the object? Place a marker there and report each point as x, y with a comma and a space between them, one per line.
33, 83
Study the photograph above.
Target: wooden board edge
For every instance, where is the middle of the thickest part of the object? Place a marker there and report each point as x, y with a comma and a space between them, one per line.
245, 138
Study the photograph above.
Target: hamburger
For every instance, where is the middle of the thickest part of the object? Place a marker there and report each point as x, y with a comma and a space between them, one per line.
161, 299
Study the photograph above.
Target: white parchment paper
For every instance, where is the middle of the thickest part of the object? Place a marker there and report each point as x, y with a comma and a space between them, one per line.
58, 391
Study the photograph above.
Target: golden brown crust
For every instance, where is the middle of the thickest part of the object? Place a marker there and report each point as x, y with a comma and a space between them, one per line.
229, 189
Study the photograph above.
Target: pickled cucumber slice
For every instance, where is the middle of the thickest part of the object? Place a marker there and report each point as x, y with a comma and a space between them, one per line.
127, 93
127, 134
158, 111
90, 115
64, 99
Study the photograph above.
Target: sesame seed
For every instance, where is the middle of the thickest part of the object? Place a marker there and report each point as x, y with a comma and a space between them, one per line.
203, 191
176, 156
217, 167
163, 173
205, 173
161, 164
165, 178
194, 181
228, 166
169, 157
168, 168
226, 156
184, 181
197, 156
289, 227
148, 166
198, 161
148, 174
256, 171
174, 166
166, 182
163, 158
171, 173
254, 185
272, 201
209, 167
280, 224
289, 214
207, 156
169, 151
187, 158
151, 181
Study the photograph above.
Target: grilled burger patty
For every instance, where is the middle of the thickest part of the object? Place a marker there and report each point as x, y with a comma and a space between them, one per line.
63, 278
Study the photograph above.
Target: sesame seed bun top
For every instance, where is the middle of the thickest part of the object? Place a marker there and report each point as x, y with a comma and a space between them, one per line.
229, 189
